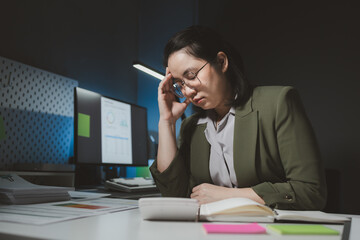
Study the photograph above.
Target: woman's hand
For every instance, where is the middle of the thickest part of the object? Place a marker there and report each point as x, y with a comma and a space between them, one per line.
206, 193
170, 110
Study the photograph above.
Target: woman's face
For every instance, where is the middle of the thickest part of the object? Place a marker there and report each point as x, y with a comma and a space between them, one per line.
210, 90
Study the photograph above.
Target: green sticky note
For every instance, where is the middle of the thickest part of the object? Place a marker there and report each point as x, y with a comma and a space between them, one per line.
302, 229
2, 129
83, 125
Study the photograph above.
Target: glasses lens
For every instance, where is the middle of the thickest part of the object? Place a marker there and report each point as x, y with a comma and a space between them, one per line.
177, 90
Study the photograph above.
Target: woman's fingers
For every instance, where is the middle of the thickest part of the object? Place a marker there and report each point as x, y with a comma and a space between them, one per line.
187, 101
166, 84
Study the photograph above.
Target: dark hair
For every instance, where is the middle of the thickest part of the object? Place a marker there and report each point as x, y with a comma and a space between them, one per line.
205, 43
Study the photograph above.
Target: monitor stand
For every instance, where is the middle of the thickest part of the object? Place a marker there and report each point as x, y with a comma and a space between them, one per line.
87, 176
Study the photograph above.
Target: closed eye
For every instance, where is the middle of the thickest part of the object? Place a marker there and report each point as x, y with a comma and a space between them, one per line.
190, 76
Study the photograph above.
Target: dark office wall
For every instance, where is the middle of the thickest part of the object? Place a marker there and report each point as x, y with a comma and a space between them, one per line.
93, 42
158, 21
314, 47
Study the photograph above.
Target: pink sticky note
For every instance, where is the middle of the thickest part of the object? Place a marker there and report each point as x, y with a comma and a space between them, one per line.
234, 228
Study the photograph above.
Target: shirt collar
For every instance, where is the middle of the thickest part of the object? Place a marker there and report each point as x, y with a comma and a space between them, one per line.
207, 119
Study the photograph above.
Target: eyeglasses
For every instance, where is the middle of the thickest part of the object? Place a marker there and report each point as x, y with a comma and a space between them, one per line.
179, 86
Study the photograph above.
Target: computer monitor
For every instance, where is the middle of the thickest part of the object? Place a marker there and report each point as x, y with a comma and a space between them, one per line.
109, 131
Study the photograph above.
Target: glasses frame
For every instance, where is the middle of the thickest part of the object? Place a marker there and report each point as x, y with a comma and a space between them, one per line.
177, 86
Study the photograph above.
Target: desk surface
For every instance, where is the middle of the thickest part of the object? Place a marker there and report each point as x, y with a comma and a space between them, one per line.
129, 225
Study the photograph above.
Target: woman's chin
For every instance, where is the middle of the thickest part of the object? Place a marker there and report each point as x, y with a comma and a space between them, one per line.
204, 106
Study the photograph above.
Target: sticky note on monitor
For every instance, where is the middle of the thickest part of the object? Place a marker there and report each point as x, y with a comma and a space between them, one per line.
83, 125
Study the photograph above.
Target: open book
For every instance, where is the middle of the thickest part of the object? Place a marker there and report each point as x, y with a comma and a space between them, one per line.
232, 210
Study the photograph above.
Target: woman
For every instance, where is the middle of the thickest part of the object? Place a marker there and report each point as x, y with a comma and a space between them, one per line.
244, 142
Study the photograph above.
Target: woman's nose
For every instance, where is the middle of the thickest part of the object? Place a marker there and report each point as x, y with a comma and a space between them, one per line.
189, 92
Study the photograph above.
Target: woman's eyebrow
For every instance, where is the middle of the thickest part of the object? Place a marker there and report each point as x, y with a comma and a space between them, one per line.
190, 69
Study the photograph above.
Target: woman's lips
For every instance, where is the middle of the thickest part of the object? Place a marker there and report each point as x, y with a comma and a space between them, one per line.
198, 100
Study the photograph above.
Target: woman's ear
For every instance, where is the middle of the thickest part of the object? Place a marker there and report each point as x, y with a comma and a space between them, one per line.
223, 61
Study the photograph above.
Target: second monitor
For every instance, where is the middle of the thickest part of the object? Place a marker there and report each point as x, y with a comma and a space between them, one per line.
109, 131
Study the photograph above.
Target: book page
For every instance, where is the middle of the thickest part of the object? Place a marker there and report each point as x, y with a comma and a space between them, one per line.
237, 218
308, 216
235, 206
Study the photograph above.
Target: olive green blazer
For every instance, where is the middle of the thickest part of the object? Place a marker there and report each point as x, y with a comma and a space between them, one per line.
275, 153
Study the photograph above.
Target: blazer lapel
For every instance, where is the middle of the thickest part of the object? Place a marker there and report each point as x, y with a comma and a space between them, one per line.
200, 155
245, 139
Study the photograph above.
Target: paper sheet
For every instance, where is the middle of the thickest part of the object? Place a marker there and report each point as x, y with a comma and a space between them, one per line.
45, 213
86, 195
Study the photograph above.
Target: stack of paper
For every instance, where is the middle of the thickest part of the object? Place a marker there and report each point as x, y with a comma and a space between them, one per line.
16, 190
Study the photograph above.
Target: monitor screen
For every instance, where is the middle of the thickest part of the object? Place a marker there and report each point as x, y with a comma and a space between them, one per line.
109, 131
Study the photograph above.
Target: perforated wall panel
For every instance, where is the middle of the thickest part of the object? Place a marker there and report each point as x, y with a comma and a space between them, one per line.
36, 107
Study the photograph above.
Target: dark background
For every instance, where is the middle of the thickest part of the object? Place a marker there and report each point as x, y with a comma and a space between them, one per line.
312, 46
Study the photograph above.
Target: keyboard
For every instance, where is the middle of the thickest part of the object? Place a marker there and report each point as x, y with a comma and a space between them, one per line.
137, 184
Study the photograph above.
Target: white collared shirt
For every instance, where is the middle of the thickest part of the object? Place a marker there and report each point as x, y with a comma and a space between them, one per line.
221, 139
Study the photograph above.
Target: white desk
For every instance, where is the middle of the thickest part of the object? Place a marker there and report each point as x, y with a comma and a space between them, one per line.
128, 225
